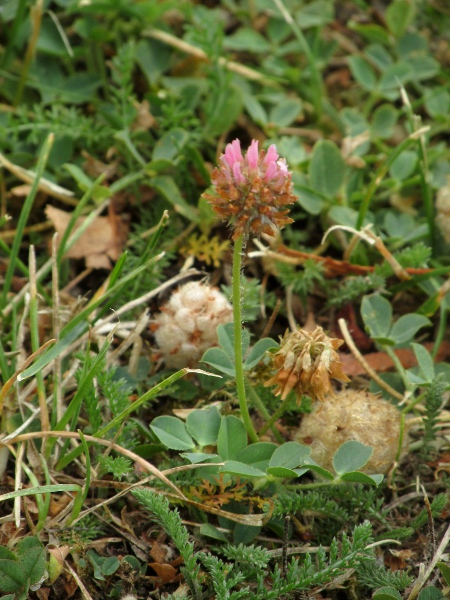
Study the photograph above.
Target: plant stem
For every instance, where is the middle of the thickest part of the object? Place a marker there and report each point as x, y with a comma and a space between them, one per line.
276, 415
398, 366
237, 317
263, 410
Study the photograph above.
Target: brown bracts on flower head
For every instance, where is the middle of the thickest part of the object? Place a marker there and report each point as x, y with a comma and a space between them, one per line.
252, 192
306, 362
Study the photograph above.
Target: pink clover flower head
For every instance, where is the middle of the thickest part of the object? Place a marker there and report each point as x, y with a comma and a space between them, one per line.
252, 192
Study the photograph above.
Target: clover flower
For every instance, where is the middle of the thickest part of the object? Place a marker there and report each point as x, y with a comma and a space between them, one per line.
252, 192
186, 326
306, 362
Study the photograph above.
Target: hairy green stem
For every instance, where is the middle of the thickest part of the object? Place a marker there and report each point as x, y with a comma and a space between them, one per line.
237, 316
276, 415
263, 410
398, 366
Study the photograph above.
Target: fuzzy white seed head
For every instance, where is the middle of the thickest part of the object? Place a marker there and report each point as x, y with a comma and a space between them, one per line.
186, 326
443, 211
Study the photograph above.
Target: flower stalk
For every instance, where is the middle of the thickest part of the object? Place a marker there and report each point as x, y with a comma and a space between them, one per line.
239, 359
251, 192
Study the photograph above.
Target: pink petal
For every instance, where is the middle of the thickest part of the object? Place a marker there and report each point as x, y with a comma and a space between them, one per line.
253, 155
271, 171
229, 156
236, 144
238, 177
282, 165
272, 155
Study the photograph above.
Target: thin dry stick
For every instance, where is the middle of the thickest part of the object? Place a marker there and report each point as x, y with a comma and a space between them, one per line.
130, 339
146, 297
45, 185
425, 574
4, 391
272, 318
362, 361
83, 589
290, 313
45, 421
11, 233
175, 42
18, 483
74, 435
56, 329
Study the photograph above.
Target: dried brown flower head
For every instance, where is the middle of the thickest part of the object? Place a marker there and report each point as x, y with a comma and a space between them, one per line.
306, 362
252, 192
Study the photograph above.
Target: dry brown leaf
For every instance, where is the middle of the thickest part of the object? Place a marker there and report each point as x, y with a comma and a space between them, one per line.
101, 243
166, 573
381, 362
94, 167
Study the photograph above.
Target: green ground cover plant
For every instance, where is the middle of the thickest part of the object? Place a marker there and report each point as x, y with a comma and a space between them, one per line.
224, 267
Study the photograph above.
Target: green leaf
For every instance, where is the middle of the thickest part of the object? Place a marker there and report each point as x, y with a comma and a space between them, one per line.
423, 67
258, 351
282, 472
437, 102
372, 33
219, 359
399, 15
12, 575
290, 455
110, 565
167, 187
170, 145
313, 466
204, 425
197, 457
225, 335
430, 593
210, 531
172, 433
258, 455
255, 109
351, 456
362, 72
379, 56
315, 14
248, 40
406, 327
376, 312
383, 121
358, 477
223, 110
80, 87
234, 467
404, 165
307, 198
232, 438
327, 168
393, 77
444, 568
285, 113
386, 593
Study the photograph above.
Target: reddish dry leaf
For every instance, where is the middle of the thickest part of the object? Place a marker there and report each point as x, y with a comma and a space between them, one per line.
94, 167
103, 239
159, 552
335, 268
58, 504
394, 563
166, 573
380, 361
